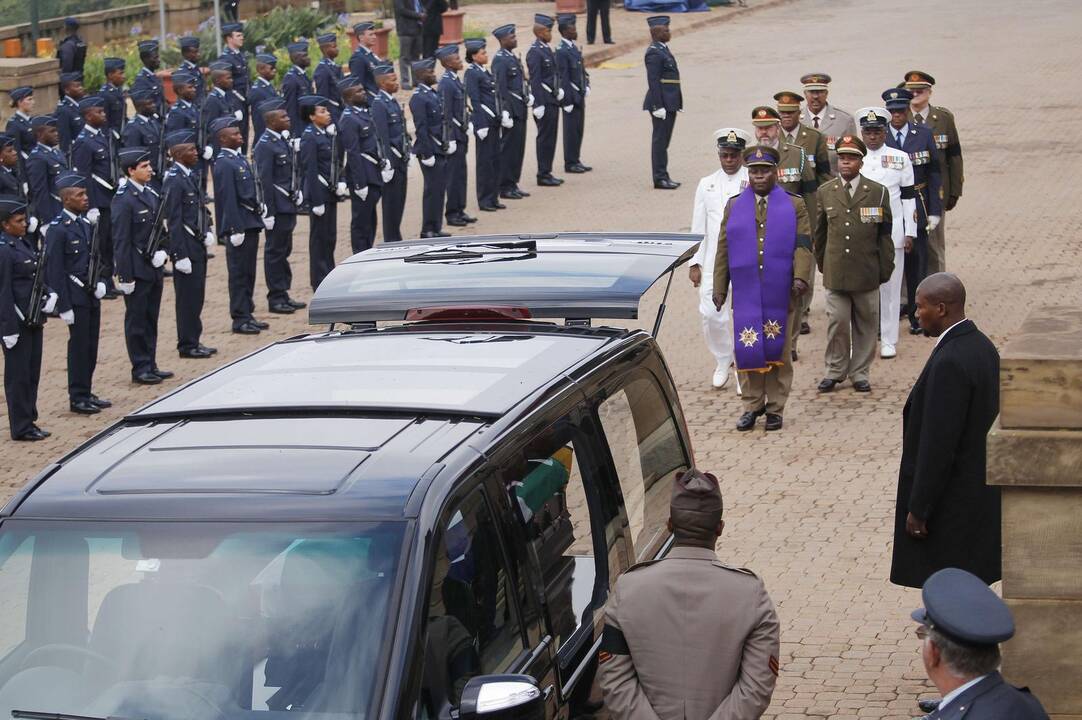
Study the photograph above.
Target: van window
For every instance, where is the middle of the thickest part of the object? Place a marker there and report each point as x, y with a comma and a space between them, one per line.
15, 556
647, 452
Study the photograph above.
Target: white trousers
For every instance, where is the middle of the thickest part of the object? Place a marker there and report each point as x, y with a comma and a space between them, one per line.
890, 300
717, 326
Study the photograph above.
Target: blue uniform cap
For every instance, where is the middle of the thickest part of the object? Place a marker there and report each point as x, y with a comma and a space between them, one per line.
148, 46
958, 604
475, 44
71, 22
423, 64
297, 47
183, 78
6, 140
10, 205
20, 92
129, 157
312, 101
41, 120
179, 137
112, 63
233, 27
92, 101
276, 103
565, 19
141, 95
447, 51
363, 26
265, 58
70, 77
348, 81
188, 42
326, 38
219, 124
657, 20
543, 20
504, 30
222, 65
379, 70
897, 98
70, 179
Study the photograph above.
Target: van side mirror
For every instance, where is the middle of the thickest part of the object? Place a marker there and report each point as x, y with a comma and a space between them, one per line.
501, 697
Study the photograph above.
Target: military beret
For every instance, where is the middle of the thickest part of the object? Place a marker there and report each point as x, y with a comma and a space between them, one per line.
348, 81
141, 95
897, 98
363, 26
271, 105
180, 137
6, 140
312, 101
657, 20
10, 205
265, 58
543, 20
326, 38
113, 63
872, 117
70, 77
916, 79
21, 92
565, 19
733, 138
447, 51
232, 27
384, 69
423, 64
92, 101
764, 115
504, 30
148, 46
301, 46
849, 145
222, 65
219, 124
475, 44
71, 22
70, 179
188, 41
42, 120
959, 605
129, 157
761, 155
815, 81
788, 100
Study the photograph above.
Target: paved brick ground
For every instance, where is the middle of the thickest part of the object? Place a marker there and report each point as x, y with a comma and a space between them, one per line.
810, 508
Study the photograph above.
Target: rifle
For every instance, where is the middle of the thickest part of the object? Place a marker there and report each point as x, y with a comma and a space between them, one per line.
35, 315
259, 196
93, 266
158, 232
336, 165
445, 126
160, 168
294, 169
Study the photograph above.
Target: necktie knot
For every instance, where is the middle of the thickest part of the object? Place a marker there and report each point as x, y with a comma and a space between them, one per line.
816, 121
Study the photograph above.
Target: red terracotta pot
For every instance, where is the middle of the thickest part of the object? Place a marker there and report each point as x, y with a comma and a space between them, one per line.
166, 76
453, 23
570, 6
382, 41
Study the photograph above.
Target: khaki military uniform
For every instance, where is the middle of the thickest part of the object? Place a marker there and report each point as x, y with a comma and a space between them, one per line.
833, 124
770, 389
855, 254
797, 175
941, 121
688, 638
814, 145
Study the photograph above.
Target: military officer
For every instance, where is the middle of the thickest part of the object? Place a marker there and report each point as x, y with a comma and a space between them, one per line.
43, 167
12, 183
233, 54
116, 98
366, 165
146, 80
485, 120
688, 636
191, 235
711, 195
391, 126
76, 272
324, 185
432, 146
512, 100
918, 143
72, 49
296, 83
189, 63
19, 124
548, 95
364, 59
184, 114
819, 114
221, 102
945, 134
765, 226
575, 82
238, 209
146, 131
795, 133
328, 73
266, 70
22, 342
663, 99
855, 253
69, 121
137, 225
960, 628
279, 173
93, 157
453, 94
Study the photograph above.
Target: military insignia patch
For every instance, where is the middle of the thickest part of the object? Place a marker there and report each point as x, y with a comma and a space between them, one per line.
871, 215
775, 666
771, 329
604, 656
748, 337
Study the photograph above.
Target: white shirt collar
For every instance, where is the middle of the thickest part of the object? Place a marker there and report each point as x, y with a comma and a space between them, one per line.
137, 186
961, 688
21, 114
904, 130
183, 168
91, 129
231, 151
70, 214
939, 340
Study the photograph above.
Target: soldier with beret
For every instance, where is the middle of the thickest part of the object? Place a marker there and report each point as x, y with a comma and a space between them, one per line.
366, 164
189, 64
146, 81
221, 102
855, 253
19, 127
513, 100
324, 184
456, 116
72, 49
146, 131
485, 121
116, 98
262, 90
94, 158
764, 253
69, 121
432, 146
663, 99
688, 636
391, 126
547, 95
575, 82
832, 122
327, 74
364, 59
960, 628
296, 83
234, 56
43, 167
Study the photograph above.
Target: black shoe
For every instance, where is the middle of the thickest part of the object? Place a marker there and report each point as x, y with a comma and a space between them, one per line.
773, 422
435, 234
296, 303
862, 386
84, 407
282, 308
805, 328
915, 330
549, 181
111, 294
511, 195
575, 169
610, 41
521, 192
167, 273
259, 324
665, 185
589, 42
456, 222
499, 206
100, 402
196, 353
31, 435
212, 351
147, 378
246, 328
46, 433
827, 385
467, 218
163, 374
793, 355
747, 420
491, 208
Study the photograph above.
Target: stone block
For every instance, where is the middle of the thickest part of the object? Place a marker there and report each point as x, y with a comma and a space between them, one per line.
1040, 372
1044, 652
1042, 543
1034, 457
41, 74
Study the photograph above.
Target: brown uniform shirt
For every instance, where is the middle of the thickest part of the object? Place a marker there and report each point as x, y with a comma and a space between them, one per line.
941, 122
853, 247
814, 145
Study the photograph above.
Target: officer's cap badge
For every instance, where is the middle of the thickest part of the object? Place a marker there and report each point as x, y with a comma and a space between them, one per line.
732, 137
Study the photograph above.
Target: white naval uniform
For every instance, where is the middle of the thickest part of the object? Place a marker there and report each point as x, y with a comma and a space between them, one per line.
893, 169
710, 198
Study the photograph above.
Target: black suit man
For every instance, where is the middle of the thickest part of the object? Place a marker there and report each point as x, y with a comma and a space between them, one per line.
663, 99
408, 17
72, 49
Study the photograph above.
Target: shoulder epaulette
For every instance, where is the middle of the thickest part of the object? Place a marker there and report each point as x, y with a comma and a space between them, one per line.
642, 564
745, 571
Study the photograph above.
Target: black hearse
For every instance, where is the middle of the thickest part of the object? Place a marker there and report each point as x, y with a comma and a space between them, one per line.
415, 520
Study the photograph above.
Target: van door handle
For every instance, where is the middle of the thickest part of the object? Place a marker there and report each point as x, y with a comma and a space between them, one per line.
547, 692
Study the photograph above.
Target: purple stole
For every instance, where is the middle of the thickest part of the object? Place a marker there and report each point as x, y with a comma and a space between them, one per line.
761, 296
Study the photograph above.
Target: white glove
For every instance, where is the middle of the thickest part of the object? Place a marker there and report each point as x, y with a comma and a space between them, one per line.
236, 239
529, 100
10, 340
586, 92
208, 152
933, 222
285, 134
268, 222
50, 303
99, 290
428, 161
298, 198
362, 193
159, 258
126, 288
387, 175
482, 133
32, 224
659, 113
539, 112
44, 228
263, 209
559, 94
506, 121
184, 265
341, 190
296, 142
238, 114
469, 128
68, 316
318, 210
568, 108
331, 130
209, 241
452, 147
92, 215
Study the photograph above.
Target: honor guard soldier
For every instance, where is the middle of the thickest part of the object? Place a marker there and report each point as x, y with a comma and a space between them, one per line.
764, 252
481, 89
941, 122
324, 184
960, 628
512, 100
93, 157
221, 102
184, 114
72, 50
238, 209
19, 124
266, 69
820, 115
69, 121
892, 169
364, 60
327, 74
278, 171
20, 328
432, 146
296, 83
146, 80
116, 98
795, 133
233, 54
688, 636
575, 82
12, 183
547, 97
391, 125
917, 141
855, 253
457, 118
139, 246
663, 99
711, 195
43, 167
146, 131
365, 167
76, 270
189, 63
191, 235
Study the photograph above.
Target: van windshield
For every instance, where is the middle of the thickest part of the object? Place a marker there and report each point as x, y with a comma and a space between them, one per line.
194, 621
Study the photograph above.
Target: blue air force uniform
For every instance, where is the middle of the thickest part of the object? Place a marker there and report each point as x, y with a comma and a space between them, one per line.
364, 164
19, 127
547, 94
273, 157
322, 167
69, 122
146, 132
11, 182
511, 91
93, 157
391, 126
295, 85
220, 104
197, 76
326, 77
261, 92
42, 170
116, 109
146, 81
453, 94
22, 361
237, 200
575, 82
431, 143
189, 223
183, 115
362, 64
481, 89
662, 93
238, 65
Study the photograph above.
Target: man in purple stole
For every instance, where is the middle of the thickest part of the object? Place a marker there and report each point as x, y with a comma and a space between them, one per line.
764, 250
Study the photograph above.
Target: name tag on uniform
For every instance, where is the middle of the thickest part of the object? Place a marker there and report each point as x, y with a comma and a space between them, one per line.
941, 141
892, 162
921, 157
871, 215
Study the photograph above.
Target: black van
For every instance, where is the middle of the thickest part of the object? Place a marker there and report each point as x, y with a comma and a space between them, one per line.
420, 519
